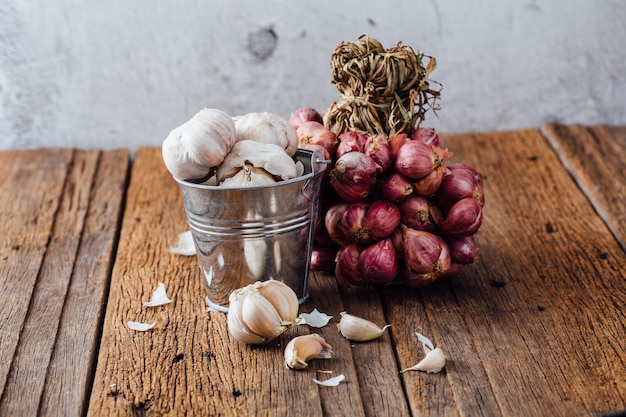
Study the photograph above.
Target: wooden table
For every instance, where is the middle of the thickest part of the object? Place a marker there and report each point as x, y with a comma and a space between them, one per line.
537, 327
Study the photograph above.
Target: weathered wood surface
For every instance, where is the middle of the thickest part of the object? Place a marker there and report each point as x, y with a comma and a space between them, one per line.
60, 211
535, 327
596, 158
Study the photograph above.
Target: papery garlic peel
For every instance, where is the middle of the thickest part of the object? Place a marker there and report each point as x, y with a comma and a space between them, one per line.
260, 312
267, 156
433, 362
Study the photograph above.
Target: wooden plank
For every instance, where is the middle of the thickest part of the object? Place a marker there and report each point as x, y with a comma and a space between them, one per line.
37, 364
32, 184
188, 364
377, 370
596, 158
536, 326
71, 368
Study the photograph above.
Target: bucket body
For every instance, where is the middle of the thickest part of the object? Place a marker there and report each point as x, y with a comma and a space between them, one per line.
248, 234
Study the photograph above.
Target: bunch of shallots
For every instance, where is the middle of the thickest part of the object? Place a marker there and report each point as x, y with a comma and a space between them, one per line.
391, 208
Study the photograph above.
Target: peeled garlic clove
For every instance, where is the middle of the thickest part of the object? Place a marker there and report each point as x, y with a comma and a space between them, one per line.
271, 157
282, 297
302, 349
358, 329
257, 315
193, 149
267, 128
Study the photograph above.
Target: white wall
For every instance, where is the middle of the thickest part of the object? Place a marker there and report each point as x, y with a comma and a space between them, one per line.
123, 73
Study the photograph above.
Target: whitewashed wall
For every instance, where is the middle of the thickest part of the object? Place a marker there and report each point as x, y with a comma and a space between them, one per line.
123, 73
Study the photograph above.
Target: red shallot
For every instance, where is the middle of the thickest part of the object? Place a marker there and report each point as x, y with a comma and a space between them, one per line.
303, 115
354, 176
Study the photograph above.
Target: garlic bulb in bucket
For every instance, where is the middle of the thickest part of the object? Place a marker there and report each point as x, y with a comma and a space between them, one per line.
192, 150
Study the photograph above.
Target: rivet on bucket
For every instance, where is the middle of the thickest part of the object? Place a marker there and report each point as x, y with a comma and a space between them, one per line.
249, 234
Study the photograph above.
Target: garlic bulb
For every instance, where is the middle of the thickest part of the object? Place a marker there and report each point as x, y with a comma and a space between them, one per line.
260, 312
267, 128
358, 329
193, 149
301, 349
268, 156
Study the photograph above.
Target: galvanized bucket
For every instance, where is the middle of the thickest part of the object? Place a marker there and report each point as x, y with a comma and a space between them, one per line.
248, 234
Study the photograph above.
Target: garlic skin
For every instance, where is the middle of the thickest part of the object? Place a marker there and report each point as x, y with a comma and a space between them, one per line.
302, 349
433, 362
267, 128
267, 156
248, 176
192, 150
358, 329
260, 312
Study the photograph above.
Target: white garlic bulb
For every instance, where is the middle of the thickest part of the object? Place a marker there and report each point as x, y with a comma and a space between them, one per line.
199, 145
267, 128
260, 312
358, 329
302, 349
268, 156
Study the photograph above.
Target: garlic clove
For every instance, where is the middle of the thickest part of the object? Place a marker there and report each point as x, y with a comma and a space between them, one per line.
236, 325
282, 297
302, 349
260, 312
358, 329
261, 317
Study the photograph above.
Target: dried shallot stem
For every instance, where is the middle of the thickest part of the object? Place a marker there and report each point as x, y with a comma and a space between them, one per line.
383, 91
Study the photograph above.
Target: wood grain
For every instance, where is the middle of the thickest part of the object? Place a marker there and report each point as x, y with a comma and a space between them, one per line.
188, 364
71, 368
39, 362
32, 186
596, 158
536, 326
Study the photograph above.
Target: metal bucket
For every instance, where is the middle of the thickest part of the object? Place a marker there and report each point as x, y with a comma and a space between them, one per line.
248, 234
